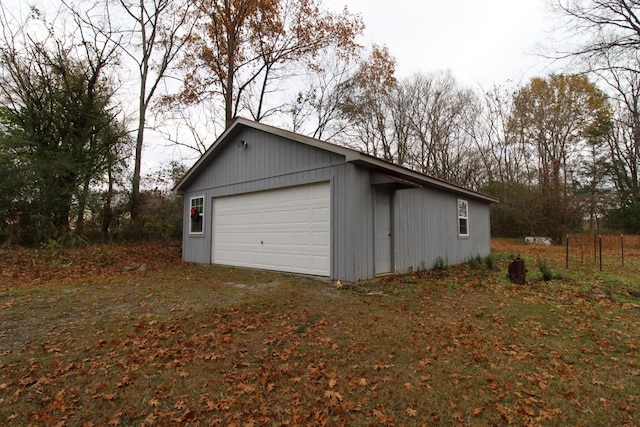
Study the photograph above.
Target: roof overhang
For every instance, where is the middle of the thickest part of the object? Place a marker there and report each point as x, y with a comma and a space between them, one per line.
385, 179
398, 174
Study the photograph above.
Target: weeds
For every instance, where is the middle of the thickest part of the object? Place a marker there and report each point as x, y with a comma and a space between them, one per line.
489, 262
547, 273
475, 262
479, 262
441, 264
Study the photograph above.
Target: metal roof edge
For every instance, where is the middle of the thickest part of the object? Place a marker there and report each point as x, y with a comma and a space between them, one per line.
188, 177
351, 156
419, 177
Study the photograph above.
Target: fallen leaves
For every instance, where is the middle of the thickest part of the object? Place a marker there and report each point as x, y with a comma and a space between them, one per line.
333, 395
381, 366
22, 266
382, 417
147, 351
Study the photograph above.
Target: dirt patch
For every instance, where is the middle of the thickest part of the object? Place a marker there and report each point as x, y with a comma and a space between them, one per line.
253, 287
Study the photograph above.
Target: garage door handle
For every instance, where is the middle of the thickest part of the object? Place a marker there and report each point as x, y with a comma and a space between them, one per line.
261, 242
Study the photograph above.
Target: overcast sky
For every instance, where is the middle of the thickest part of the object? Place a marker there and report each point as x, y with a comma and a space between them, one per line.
481, 41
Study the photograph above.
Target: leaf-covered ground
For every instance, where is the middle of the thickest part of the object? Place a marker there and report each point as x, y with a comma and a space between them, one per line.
201, 345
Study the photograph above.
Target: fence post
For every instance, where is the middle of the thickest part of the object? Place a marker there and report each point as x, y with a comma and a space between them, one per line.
622, 247
567, 254
600, 242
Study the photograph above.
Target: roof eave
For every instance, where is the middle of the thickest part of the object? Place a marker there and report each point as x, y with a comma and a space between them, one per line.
351, 156
373, 162
188, 177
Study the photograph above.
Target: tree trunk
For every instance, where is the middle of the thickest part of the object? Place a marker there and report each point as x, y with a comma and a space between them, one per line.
228, 98
82, 204
142, 116
107, 213
135, 183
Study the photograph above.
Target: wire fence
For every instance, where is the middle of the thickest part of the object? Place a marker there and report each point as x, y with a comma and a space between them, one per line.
593, 248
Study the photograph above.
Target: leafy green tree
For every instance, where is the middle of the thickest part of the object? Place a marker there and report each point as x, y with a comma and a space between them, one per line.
55, 112
15, 187
517, 214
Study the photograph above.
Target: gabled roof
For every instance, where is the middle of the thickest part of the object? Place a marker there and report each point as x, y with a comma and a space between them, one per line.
351, 156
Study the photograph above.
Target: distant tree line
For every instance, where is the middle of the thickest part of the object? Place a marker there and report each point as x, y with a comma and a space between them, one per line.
561, 151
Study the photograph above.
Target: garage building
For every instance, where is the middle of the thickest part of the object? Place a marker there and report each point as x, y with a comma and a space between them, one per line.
263, 197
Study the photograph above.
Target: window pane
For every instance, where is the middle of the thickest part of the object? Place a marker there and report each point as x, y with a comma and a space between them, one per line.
196, 214
463, 218
463, 227
462, 208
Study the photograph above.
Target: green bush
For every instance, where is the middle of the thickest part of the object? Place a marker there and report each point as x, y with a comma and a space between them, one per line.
441, 264
547, 273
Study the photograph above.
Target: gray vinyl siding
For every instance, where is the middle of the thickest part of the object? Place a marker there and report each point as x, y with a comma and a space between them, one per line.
351, 217
426, 228
266, 156
424, 219
354, 226
270, 162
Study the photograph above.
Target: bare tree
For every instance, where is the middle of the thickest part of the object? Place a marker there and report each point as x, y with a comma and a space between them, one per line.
366, 103
624, 142
187, 130
607, 48
425, 122
439, 117
505, 158
150, 33
606, 27
400, 106
316, 109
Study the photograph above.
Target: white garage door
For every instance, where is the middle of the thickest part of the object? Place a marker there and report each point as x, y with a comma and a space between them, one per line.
285, 229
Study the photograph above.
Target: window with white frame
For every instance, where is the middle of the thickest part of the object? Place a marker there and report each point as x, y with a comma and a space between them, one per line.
196, 215
463, 218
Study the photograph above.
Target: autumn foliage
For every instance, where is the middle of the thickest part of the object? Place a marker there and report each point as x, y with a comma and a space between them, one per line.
240, 49
202, 345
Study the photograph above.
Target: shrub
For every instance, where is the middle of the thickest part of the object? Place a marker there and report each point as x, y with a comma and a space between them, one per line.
547, 273
441, 264
488, 262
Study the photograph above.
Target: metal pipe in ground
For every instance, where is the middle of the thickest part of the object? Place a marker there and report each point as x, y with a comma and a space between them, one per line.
600, 250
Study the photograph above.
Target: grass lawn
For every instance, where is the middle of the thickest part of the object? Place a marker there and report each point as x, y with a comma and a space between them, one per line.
84, 343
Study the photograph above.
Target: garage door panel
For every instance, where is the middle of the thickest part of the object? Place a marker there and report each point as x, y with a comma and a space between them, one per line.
284, 238
320, 239
286, 229
285, 217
